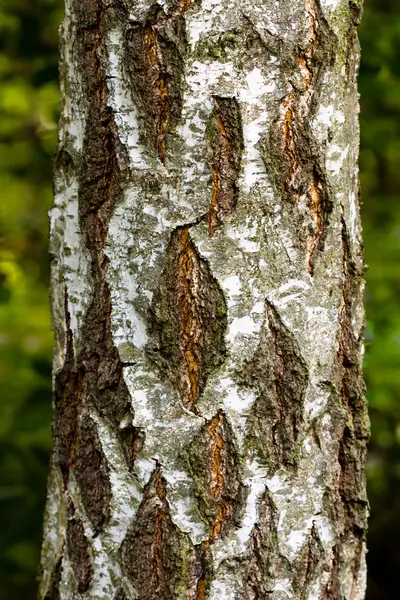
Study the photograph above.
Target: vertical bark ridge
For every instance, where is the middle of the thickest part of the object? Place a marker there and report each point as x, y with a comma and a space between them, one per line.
352, 446
189, 319
228, 146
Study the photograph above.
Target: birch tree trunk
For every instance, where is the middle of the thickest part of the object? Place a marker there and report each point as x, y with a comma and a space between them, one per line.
210, 424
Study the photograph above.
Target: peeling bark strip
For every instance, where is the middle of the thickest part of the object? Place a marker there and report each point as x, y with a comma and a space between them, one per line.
188, 319
227, 140
210, 423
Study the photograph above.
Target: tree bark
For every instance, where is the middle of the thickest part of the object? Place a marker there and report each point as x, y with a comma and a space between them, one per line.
210, 422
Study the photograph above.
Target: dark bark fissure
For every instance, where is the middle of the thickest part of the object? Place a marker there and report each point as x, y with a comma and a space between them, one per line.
291, 153
265, 558
352, 446
79, 553
53, 592
120, 595
227, 143
155, 52
309, 563
279, 375
153, 548
92, 474
188, 319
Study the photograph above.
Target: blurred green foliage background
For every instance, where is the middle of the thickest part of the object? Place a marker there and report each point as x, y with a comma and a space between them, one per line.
28, 134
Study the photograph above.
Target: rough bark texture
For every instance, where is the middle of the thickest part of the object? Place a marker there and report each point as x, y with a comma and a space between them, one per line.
210, 422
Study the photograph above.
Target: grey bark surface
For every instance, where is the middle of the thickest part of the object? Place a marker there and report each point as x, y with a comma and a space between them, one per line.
210, 422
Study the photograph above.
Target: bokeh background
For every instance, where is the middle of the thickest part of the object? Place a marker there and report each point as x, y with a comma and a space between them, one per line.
28, 133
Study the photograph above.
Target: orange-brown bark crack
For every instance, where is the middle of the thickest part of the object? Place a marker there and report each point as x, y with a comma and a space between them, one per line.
289, 141
227, 140
218, 476
158, 84
189, 319
297, 167
218, 487
190, 325
154, 58
317, 209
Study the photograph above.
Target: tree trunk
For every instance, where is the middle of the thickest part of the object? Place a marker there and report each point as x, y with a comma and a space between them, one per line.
210, 423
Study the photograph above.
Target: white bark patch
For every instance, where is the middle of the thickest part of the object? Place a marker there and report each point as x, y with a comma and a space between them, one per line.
72, 268
73, 111
126, 116
127, 324
54, 529
335, 158
126, 494
181, 500
169, 428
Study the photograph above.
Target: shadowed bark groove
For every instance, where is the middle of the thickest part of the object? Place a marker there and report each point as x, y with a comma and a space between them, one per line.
153, 547
67, 400
92, 474
227, 141
309, 563
353, 506
188, 319
53, 592
279, 375
120, 595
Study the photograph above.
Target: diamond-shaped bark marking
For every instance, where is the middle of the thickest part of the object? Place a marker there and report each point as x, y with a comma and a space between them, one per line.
153, 550
188, 319
92, 474
214, 466
279, 375
227, 141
